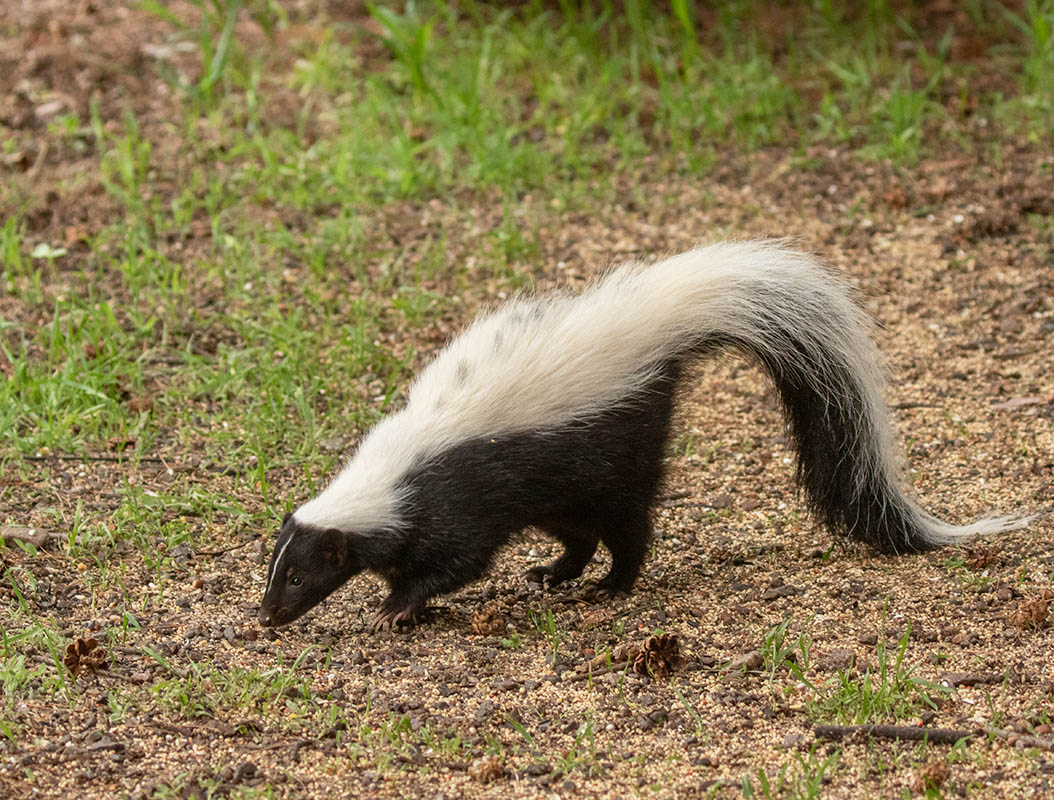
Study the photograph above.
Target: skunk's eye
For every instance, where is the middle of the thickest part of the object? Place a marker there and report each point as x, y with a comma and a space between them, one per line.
296, 580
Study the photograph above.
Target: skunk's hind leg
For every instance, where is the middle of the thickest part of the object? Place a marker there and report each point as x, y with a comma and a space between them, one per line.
580, 542
627, 536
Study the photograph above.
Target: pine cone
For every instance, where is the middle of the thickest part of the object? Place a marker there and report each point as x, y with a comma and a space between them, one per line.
488, 621
659, 656
85, 654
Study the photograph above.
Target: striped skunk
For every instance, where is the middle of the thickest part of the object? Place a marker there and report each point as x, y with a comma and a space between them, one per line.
555, 412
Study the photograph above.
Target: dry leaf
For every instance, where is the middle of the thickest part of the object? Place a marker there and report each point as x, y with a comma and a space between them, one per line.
751, 660
931, 776
1032, 614
486, 769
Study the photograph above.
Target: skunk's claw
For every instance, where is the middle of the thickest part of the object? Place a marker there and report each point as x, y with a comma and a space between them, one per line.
544, 575
390, 617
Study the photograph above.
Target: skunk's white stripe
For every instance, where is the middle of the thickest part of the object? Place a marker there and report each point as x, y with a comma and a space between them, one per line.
276, 561
542, 362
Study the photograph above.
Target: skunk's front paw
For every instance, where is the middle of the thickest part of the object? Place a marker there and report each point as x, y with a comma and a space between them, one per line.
395, 613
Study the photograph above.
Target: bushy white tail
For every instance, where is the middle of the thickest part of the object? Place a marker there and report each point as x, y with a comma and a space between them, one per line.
539, 363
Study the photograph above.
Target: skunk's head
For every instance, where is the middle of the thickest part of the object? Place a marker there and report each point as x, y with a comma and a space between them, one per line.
308, 564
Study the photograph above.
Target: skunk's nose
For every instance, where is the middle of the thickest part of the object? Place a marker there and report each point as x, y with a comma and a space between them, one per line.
265, 618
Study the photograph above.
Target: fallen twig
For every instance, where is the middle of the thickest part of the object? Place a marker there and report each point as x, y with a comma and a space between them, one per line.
953, 679
909, 732
1022, 740
222, 551
917, 733
107, 459
596, 673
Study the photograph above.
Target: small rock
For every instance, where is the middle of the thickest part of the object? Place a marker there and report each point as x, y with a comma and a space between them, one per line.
38, 537
332, 444
924, 634
774, 592
752, 660
484, 710
840, 658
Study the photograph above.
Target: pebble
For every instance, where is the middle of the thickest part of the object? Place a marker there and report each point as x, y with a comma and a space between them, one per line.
484, 710
751, 660
840, 658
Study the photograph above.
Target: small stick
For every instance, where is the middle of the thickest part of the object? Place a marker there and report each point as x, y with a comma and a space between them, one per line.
936, 735
908, 732
596, 673
1022, 739
107, 459
221, 552
953, 679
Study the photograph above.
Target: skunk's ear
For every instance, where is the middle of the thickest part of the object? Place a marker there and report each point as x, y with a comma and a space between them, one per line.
286, 518
333, 545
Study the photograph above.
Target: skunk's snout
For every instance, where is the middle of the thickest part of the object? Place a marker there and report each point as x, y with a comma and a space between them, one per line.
265, 618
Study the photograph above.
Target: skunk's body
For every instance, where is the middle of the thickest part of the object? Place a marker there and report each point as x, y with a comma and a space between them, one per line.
555, 412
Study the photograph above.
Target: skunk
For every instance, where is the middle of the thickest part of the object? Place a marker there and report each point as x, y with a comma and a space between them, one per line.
555, 411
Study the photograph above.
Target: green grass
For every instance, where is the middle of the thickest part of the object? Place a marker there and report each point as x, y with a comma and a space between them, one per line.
31, 650
889, 690
780, 653
800, 777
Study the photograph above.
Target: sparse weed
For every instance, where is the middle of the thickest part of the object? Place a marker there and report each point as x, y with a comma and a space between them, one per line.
581, 755
799, 778
700, 726
547, 625
889, 690
779, 654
